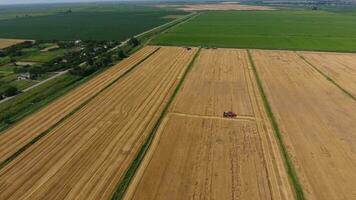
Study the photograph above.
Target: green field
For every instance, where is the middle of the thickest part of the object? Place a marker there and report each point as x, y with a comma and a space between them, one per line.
284, 29
39, 56
87, 22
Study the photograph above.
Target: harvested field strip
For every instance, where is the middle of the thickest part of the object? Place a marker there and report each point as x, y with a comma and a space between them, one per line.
221, 85
198, 154
122, 186
237, 118
205, 158
87, 155
338, 68
287, 159
29, 130
4, 43
315, 122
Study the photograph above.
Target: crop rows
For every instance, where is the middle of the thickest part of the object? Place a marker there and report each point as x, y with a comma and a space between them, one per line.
86, 155
199, 154
22, 133
315, 117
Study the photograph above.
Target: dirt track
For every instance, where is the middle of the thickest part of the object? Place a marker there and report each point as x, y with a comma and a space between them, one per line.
218, 6
26, 130
317, 121
4, 43
339, 67
197, 154
85, 156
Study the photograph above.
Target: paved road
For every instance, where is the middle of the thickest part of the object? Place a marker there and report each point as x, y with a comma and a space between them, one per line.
36, 85
45, 81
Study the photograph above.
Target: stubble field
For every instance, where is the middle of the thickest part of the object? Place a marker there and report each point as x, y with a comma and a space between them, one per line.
340, 67
198, 154
317, 122
4, 43
86, 155
83, 144
21, 134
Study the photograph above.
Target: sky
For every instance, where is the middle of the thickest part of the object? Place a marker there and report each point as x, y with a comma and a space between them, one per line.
4, 2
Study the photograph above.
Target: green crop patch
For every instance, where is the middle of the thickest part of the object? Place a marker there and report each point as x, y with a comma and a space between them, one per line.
119, 23
283, 29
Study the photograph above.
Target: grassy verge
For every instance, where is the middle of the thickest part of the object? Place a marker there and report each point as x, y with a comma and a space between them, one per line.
29, 102
123, 185
71, 113
329, 79
287, 160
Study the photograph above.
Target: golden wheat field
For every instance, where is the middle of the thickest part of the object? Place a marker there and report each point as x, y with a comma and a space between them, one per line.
340, 67
4, 43
15, 138
83, 144
198, 154
317, 121
86, 155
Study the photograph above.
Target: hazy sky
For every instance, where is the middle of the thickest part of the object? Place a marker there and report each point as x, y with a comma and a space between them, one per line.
45, 1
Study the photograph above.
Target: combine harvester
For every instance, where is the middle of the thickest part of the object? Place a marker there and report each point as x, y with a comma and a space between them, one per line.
229, 114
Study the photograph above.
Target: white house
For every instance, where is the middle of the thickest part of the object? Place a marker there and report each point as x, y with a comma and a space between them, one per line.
24, 76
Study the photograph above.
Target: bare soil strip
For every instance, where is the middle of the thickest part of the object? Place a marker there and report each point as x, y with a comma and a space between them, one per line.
85, 156
14, 139
340, 68
4, 43
197, 154
316, 121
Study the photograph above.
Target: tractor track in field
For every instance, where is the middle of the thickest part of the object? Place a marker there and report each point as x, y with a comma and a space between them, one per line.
237, 118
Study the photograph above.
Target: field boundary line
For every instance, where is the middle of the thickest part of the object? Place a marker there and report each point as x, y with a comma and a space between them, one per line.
237, 118
44, 133
180, 21
131, 171
327, 77
169, 24
287, 160
251, 48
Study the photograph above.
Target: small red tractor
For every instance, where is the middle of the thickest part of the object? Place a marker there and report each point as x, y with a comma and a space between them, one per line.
229, 114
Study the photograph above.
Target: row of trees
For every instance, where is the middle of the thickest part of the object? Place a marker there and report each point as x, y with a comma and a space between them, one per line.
8, 91
103, 60
16, 50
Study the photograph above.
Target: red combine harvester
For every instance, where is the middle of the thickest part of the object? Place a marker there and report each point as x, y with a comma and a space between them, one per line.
229, 114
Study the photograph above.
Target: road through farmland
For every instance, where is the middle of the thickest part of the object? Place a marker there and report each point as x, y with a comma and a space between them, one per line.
86, 155
317, 122
198, 154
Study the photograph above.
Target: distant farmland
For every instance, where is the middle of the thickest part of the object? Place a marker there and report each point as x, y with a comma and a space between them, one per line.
86, 24
295, 30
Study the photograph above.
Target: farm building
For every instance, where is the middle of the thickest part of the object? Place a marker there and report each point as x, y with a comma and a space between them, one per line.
23, 76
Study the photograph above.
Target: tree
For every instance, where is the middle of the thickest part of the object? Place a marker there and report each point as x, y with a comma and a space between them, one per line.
122, 54
35, 72
90, 61
10, 91
134, 42
19, 70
